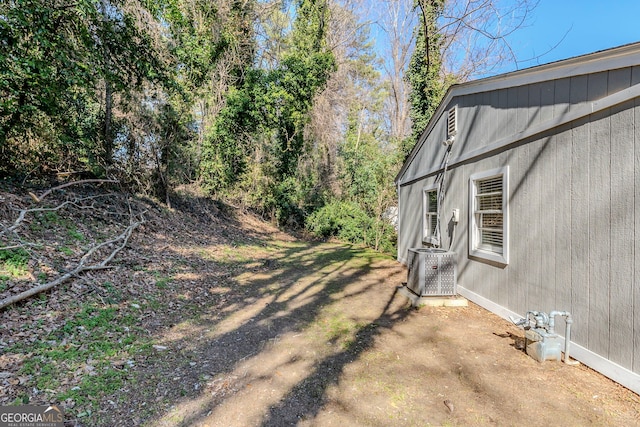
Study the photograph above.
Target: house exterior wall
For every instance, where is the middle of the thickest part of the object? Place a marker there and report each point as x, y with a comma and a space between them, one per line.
574, 206
486, 117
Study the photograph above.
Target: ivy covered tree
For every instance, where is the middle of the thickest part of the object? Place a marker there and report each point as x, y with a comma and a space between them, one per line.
45, 49
425, 72
207, 46
58, 56
277, 105
264, 118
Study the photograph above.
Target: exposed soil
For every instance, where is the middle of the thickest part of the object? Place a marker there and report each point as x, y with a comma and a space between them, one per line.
244, 325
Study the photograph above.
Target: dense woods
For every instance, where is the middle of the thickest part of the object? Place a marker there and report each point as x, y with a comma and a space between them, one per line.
301, 111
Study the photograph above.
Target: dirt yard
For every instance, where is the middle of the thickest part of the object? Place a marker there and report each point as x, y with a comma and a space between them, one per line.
324, 339
218, 319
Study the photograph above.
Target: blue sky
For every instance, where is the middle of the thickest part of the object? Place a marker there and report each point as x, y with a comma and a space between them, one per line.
579, 26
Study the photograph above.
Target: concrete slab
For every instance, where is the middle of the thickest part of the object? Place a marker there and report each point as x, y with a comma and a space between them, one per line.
443, 301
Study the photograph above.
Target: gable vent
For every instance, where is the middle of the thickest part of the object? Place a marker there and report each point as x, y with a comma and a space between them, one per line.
452, 122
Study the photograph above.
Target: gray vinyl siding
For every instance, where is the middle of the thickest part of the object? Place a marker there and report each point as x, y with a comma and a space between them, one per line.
574, 206
635, 310
489, 116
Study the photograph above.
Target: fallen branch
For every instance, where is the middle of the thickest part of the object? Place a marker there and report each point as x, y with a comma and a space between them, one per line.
8, 248
124, 237
69, 184
24, 212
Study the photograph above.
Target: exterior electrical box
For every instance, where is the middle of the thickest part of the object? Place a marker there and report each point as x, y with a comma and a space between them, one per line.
432, 272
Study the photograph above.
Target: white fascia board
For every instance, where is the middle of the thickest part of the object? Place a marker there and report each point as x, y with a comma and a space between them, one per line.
611, 59
621, 57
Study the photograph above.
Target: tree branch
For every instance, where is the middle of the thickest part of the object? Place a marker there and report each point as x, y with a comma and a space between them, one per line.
68, 184
24, 212
124, 237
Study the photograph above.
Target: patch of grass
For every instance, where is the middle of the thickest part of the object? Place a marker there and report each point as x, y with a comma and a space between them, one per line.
206, 255
22, 399
162, 282
114, 295
87, 343
153, 303
339, 330
230, 253
45, 220
67, 251
52, 220
92, 317
92, 388
13, 262
75, 234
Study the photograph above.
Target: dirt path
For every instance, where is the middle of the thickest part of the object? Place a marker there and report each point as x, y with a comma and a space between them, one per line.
217, 319
320, 337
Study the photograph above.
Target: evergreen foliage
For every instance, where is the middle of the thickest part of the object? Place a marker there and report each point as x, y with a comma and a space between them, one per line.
57, 54
349, 222
425, 73
277, 105
266, 118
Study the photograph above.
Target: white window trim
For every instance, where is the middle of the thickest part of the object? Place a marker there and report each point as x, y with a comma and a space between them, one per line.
473, 229
428, 239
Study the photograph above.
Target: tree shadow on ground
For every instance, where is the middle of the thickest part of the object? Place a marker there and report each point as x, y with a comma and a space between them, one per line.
308, 397
285, 294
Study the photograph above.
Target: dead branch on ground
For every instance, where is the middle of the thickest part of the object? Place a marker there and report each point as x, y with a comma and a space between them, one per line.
82, 265
23, 212
95, 258
68, 184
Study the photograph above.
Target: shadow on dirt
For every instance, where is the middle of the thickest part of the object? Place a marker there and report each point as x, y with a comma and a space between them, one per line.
249, 298
307, 398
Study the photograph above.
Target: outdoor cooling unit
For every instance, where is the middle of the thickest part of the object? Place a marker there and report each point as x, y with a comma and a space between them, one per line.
432, 272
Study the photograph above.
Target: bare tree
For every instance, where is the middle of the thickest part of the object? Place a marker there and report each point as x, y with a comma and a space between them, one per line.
349, 85
476, 34
473, 40
398, 21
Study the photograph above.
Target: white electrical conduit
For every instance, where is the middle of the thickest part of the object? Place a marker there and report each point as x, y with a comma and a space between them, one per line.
441, 178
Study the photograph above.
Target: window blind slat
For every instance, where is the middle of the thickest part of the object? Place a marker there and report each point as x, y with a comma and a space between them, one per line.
490, 185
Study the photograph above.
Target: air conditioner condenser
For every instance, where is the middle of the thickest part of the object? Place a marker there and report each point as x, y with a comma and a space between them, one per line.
432, 272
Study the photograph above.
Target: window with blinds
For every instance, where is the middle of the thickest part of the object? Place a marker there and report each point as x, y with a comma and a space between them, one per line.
489, 213
430, 215
488, 237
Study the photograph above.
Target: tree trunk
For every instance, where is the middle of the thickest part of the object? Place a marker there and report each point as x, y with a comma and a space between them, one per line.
108, 140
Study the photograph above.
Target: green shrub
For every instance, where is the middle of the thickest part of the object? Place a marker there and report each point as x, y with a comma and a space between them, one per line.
349, 222
344, 220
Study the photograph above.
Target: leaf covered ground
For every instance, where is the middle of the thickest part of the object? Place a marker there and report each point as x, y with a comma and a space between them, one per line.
211, 317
